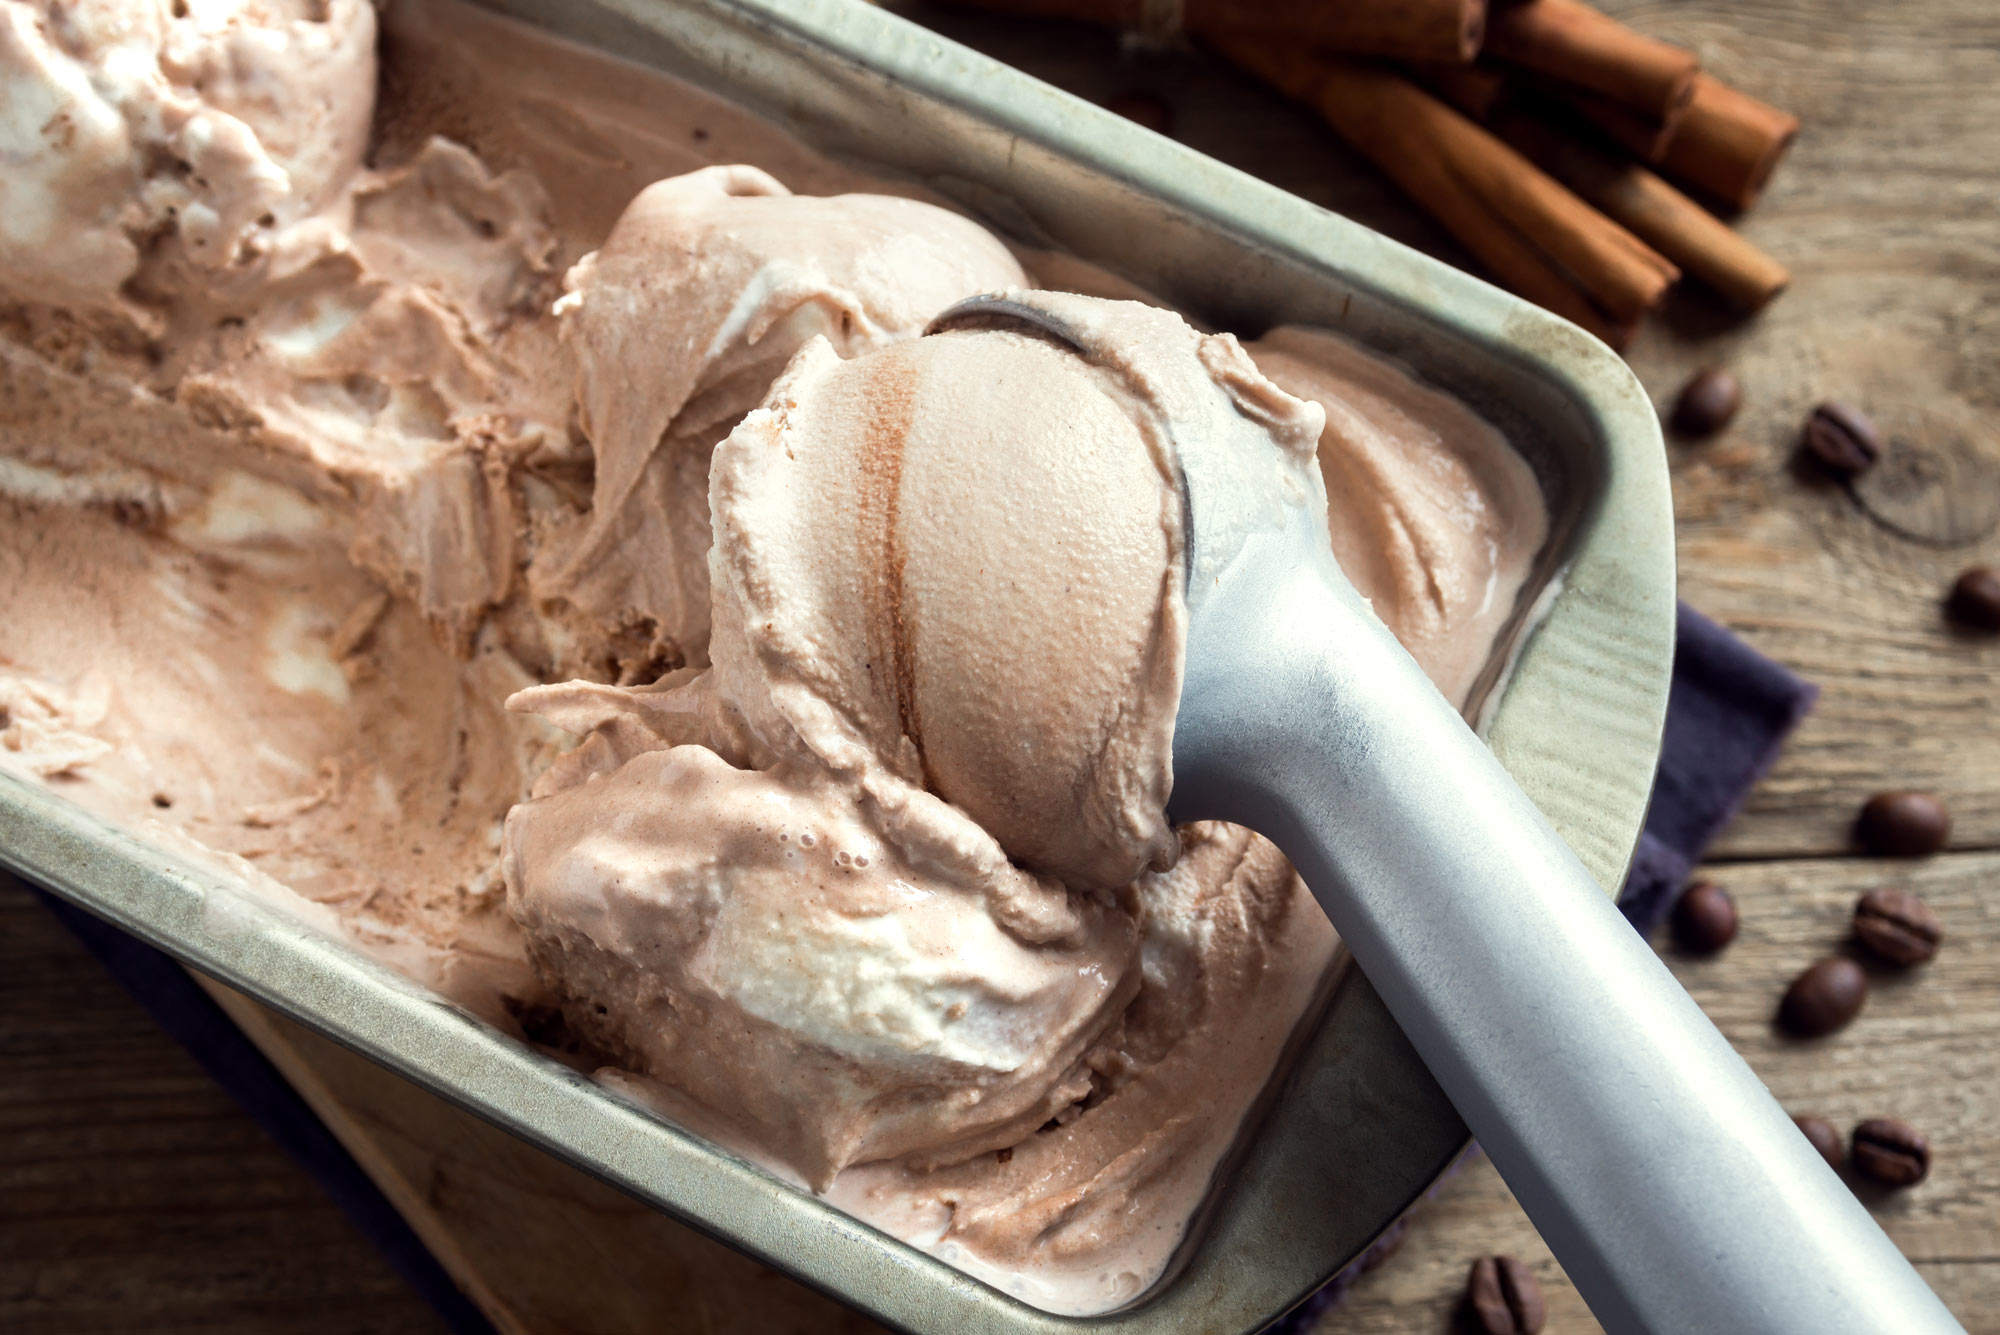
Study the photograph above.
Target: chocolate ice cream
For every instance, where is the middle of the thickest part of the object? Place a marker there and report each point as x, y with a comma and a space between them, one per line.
384, 452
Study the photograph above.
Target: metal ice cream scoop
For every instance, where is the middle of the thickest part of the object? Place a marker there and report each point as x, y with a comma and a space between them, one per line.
1678, 1196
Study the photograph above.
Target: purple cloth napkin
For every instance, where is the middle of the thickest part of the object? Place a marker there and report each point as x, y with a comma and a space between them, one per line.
1729, 711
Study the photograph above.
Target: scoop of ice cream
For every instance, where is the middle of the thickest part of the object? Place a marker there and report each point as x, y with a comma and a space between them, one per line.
867, 881
893, 592
1434, 516
754, 939
179, 137
679, 322
1083, 1215
957, 564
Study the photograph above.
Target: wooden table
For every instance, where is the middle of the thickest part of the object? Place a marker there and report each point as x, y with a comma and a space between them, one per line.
126, 1185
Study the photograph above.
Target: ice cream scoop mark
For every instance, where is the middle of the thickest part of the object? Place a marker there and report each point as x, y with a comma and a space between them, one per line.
461, 767
551, 120
880, 533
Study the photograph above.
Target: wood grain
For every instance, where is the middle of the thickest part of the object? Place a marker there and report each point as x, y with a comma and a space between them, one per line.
1884, 214
135, 1194
540, 1246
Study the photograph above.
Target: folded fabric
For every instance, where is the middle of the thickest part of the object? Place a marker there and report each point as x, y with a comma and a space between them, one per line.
1728, 713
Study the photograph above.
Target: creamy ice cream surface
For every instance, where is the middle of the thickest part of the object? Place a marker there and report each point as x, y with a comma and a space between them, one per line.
1434, 516
445, 484
679, 322
912, 901
173, 143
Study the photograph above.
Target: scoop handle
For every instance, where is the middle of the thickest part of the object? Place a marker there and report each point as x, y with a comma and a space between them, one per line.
1676, 1193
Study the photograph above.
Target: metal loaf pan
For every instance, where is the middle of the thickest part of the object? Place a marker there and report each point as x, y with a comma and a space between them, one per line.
1356, 1130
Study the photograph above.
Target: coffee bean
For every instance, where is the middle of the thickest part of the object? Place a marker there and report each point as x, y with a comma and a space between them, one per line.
1898, 926
1842, 439
1824, 997
1825, 1138
1893, 1153
1975, 598
1705, 918
1503, 1297
1707, 403
1144, 107
1903, 824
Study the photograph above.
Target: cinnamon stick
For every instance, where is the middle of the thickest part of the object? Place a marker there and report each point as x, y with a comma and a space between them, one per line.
1534, 234
1728, 143
1682, 230
1645, 139
1476, 90
1443, 30
1572, 43
1483, 91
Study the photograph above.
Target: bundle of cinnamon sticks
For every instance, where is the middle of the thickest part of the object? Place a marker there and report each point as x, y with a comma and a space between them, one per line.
1552, 140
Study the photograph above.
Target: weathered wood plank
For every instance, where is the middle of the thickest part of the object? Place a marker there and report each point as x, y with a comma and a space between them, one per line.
540, 1246
1923, 1049
1884, 214
135, 1193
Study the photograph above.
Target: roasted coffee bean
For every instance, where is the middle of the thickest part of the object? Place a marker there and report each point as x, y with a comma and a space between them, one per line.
1825, 1138
1824, 997
1707, 403
1897, 925
1705, 918
1893, 1153
1975, 598
1144, 107
1843, 440
1503, 1297
1903, 825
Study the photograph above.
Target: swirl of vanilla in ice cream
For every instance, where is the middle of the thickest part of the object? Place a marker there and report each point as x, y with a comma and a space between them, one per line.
678, 324
170, 143
883, 851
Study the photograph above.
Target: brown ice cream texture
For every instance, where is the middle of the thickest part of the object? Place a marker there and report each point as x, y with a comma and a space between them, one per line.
680, 321
341, 406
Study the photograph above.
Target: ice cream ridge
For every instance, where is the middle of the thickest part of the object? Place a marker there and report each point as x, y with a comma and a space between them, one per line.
446, 486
